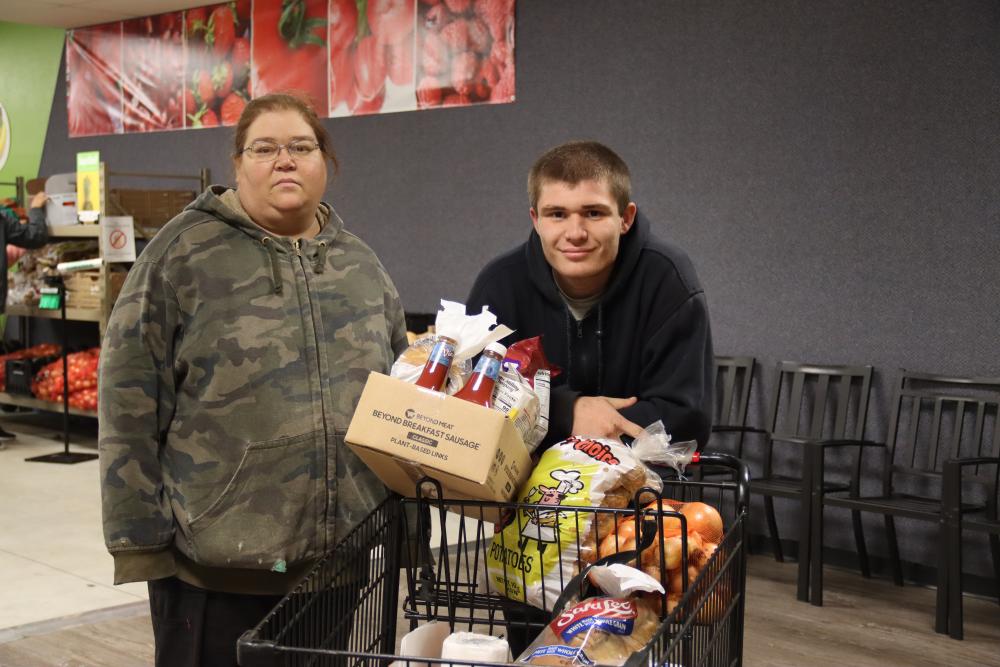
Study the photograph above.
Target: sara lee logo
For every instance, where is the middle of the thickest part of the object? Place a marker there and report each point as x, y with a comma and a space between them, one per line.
608, 608
5, 137
595, 450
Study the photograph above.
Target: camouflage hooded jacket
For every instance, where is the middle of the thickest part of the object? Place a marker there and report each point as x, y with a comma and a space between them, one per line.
232, 364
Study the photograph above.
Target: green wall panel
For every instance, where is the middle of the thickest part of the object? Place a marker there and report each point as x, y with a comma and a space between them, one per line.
29, 65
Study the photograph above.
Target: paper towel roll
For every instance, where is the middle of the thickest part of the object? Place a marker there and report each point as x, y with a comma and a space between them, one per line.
472, 648
424, 642
79, 265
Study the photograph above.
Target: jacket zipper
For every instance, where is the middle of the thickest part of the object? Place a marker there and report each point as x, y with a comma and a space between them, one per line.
297, 246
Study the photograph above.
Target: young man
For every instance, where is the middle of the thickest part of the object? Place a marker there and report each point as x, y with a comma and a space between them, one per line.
622, 313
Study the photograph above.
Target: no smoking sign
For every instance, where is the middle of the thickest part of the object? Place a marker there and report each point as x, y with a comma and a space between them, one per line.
118, 238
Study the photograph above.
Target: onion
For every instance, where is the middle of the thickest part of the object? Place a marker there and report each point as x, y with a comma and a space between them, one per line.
704, 520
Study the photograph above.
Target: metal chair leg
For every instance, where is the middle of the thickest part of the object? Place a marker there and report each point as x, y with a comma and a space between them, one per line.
953, 548
805, 526
995, 548
859, 542
943, 575
816, 564
897, 567
772, 526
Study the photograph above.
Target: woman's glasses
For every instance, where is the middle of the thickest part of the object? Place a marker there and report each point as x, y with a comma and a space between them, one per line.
263, 150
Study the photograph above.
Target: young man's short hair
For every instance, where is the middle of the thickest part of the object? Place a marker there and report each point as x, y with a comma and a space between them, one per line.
578, 161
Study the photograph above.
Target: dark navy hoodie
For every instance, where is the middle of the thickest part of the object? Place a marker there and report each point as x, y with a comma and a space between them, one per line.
648, 336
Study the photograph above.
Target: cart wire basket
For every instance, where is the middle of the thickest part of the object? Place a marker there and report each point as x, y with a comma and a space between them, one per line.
384, 579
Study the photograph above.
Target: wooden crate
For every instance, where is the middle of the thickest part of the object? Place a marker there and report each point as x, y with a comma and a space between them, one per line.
84, 289
150, 209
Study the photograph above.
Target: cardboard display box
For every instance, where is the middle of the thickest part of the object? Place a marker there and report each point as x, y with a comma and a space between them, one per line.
84, 289
404, 432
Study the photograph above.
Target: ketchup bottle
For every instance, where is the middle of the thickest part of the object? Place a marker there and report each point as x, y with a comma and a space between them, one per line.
479, 388
436, 369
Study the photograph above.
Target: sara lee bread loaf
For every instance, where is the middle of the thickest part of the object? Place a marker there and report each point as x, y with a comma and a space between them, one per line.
601, 630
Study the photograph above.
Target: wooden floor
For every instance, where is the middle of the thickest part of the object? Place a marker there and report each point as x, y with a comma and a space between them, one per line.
120, 637
863, 623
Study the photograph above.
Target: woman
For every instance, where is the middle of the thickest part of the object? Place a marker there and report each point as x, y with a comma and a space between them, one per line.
233, 362
31, 234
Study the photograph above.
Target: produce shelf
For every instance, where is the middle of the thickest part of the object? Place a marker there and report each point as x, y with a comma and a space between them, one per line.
74, 231
73, 314
39, 404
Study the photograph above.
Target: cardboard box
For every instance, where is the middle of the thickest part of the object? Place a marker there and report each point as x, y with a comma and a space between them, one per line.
60, 209
84, 289
404, 432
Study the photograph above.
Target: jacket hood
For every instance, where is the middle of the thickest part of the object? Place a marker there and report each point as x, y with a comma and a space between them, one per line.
222, 204
629, 249
212, 202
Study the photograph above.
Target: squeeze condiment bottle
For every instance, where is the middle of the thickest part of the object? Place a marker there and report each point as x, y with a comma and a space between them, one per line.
479, 388
436, 369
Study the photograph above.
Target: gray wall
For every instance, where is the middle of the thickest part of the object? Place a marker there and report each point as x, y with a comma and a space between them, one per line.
831, 167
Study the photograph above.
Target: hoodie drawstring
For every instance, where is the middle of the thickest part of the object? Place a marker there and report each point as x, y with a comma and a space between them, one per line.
600, 350
569, 343
272, 256
319, 265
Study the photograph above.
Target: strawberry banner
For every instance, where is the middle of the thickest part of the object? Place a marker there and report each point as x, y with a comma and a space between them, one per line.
289, 48
153, 73
217, 63
199, 67
93, 80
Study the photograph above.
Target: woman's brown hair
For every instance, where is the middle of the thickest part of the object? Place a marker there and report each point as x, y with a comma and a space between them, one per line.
283, 102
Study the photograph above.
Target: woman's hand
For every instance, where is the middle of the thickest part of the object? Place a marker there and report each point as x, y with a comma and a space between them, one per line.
38, 199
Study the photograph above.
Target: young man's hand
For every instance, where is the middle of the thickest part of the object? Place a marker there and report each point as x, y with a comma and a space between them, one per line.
598, 416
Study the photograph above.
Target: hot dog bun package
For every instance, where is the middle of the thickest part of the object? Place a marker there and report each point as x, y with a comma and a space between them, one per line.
523, 383
471, 333
537, 550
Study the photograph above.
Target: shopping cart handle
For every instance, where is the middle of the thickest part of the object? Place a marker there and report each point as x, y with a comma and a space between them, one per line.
741, 472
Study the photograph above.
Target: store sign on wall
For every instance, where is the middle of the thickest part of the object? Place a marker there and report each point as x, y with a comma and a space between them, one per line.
88, 186
118, 238
5, 136
199, 67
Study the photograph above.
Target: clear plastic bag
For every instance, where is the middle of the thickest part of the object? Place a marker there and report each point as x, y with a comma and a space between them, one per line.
654, 446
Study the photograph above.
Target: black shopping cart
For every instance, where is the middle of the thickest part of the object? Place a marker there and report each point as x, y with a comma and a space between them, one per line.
381, 578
